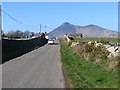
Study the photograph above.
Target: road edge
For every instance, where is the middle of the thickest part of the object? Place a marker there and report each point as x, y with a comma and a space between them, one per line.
67, 82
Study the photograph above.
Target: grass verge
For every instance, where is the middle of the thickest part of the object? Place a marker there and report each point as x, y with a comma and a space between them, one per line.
85, 74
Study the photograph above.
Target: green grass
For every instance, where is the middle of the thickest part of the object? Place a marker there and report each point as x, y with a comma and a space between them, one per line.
85, 74
112, 40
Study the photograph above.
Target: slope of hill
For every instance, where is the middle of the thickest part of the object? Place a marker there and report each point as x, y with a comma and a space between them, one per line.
87, 31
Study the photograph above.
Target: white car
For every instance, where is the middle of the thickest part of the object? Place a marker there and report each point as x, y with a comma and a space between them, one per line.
50, 41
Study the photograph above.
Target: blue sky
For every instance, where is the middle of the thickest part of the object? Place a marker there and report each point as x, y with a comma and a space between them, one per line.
51, 14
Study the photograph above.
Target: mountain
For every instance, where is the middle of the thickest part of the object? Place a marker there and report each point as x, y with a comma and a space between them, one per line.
87, 31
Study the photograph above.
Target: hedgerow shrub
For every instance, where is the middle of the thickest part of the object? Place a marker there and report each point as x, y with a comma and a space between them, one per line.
70, 42
92, 52
90, 47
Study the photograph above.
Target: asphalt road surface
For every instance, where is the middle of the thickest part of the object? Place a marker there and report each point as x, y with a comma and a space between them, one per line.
40, 68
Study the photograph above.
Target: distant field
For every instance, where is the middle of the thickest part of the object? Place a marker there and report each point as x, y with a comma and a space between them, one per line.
111, 40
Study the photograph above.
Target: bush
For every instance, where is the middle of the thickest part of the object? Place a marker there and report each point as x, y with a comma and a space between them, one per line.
92, 52
70, 42
101, 51
90, 47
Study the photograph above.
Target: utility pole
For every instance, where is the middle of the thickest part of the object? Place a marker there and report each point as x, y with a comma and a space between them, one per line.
45, 28
40, 28
0, 24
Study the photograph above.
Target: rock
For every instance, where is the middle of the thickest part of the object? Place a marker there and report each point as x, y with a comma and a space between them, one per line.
95, 42
98, 44
114, 52
107, 46
111, 49
74, 44
90, 42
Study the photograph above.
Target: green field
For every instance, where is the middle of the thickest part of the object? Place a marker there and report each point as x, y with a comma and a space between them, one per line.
111, 40
85, 74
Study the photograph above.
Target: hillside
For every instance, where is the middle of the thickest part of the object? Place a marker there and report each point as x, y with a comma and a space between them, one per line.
87, 31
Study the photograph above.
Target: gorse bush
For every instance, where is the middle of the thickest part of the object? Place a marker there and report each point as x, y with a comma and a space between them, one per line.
92, 52
90, 47
97, 51
70, 42
101, 51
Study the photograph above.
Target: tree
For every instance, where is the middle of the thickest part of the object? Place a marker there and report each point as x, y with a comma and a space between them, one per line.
27, 33
32, 34
10, 34
18, 34
81, 35
15, 34
45, 33
42, 35
2, 33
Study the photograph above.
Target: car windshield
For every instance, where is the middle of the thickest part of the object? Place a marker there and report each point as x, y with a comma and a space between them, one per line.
51, 39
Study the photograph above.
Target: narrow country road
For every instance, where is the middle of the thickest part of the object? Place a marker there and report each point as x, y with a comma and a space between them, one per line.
40, 68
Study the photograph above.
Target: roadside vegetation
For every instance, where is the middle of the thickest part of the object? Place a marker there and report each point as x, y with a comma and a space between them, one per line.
86, 67
97, 55
21, 35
